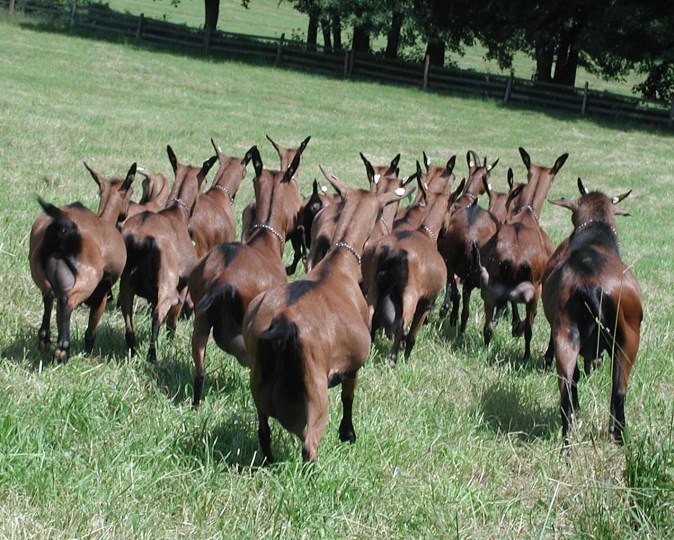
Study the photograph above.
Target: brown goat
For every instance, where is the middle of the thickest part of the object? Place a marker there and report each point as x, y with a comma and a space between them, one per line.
381, 178
232, 274
519, 250
155, 194
76, 256
467, 223
160, 254
409, 274
313, 333
593, 304
212, 221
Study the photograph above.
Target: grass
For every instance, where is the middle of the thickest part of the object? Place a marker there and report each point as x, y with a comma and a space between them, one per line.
458, 441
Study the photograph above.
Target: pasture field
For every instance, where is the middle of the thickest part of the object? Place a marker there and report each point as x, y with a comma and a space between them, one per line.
457, 442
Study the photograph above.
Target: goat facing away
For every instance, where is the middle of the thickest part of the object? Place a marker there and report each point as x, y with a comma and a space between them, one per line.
160, 254
593, 304
313, 333
76, 256
225, 281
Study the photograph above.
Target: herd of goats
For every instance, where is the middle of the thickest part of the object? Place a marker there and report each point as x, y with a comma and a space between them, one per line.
371, 263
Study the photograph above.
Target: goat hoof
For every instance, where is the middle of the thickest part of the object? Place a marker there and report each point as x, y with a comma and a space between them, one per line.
518, 329
61, 356
347, 436
44, 345
391, 360
443, 311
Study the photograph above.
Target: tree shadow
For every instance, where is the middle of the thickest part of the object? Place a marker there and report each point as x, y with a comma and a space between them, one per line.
506, 409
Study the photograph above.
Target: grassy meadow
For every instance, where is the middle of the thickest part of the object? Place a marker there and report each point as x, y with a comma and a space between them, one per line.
457, 442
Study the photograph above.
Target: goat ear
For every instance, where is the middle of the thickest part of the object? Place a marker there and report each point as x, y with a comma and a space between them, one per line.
206, 166
314, 188
292, 168
490, 167
303, 145
486, 185
129, 177
369, 169
423, 186
340, 187
458, 191
581, 187
449, 168
618, 198
525, 158
218, 150
472, 160
427, 161
248, 156
94, 174
172, 158
395, 195
513, 194
571, 204
511, 177
257, 160
558, 164
279, 149
393, 167
409, 178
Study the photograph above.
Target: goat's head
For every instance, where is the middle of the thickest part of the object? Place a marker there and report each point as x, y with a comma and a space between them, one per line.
478, 175
500, 203
539, 181
155, 186
188, 180
382, 177
286, 155
593, 206
231, 170
115, 193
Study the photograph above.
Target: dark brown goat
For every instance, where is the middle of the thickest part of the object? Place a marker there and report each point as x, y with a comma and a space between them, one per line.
155, 194
593, 304
466, 224
519, 250
160, 254
409, 274
309, 335
76, 256
212, 221
232, 274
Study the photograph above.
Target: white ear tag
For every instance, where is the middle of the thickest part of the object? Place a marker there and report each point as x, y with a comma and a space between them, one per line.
324, 189
489, 186
615, 200
140, 169
471, 164
400, 192
405, 178
376, 178
425, 185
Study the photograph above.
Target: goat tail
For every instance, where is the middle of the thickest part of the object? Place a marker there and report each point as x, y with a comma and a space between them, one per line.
62, 244
595, 314
512, 273
143, 261
392, 277
220, 302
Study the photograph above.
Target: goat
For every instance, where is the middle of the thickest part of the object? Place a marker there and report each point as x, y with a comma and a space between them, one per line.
408, 275
519, 250
466, 223
380, 178
212, 220
155, 194
76, 256
593, 303
313, 333
232, 274
160, 254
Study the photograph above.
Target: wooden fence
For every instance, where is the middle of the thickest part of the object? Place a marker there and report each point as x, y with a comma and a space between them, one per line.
88, 16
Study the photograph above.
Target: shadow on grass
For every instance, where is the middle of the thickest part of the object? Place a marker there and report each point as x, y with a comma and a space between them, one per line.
506, 408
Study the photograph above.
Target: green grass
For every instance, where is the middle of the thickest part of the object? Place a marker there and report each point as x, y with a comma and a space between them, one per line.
458, 441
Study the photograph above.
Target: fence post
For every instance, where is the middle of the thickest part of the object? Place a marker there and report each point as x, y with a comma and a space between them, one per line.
279, 50
583, 109
671, 113
11, 7
427, 66
346, 63
352, 59
207, 39
139, 28
73, 10
509, 88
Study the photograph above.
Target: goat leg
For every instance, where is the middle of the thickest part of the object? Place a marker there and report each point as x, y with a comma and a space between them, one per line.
98, 302
126, 304
200, 333
549, 354
63, 313
420, 314
264, 436
465, 311
346, 431
43, 339
454, 288
444, 308
154, 334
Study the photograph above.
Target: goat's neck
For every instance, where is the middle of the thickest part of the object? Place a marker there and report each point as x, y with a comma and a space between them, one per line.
434, 219
110, 214
178, 210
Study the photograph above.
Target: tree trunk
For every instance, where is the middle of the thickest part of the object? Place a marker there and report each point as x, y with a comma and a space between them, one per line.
436, 52
544, 57
393, 37
567, 60
361, 39
325, 28
211, 14
337, 32
312, 32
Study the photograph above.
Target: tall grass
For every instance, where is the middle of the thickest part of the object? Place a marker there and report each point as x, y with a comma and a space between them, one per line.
459, 441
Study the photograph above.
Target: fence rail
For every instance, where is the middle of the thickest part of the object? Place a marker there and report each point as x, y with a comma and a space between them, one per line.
89, 16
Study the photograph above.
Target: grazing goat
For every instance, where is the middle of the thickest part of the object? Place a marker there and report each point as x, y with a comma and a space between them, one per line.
408, 275
519, 250
232, 274
76, 256
212, 221
160, 254
593, 304
313, 333
467, 223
